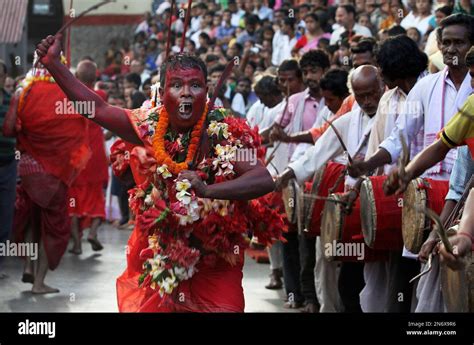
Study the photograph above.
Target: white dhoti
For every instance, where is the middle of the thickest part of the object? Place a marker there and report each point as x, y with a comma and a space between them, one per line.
326, 274
428, 292
373, 296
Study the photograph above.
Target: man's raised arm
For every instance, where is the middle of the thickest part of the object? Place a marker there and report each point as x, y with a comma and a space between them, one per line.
112, 118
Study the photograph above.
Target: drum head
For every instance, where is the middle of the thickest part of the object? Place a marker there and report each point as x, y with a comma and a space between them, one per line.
413, 222
455, 287
368, 212
331, 225
289, 200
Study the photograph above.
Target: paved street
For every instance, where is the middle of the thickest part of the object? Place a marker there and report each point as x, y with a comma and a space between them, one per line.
87, 282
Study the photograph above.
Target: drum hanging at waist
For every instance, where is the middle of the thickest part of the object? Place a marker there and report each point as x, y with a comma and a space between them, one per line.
424, 193
325, 181
341, 234
381, 215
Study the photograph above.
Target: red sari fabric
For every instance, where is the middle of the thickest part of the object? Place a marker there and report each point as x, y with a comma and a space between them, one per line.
216, 287
87, 190
57, 141
42, 202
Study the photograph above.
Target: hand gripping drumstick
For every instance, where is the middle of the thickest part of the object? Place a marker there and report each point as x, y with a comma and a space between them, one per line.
438, 226
430, 259
441, 232
70, 22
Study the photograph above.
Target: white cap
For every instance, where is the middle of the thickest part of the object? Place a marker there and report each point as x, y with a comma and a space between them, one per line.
162, 8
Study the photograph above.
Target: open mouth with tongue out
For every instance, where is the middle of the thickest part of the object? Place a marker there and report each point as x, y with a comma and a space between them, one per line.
185, 110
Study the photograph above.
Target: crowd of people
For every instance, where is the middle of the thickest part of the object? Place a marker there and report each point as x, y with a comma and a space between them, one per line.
307, 76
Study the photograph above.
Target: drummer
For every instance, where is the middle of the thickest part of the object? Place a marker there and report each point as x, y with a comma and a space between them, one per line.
354, 128
459, 131
431, 103
401, 64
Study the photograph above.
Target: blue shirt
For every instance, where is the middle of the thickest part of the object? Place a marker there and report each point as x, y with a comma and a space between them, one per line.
462, 171
224, 31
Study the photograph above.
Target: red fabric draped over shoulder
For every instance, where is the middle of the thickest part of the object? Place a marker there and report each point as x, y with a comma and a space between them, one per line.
55, 138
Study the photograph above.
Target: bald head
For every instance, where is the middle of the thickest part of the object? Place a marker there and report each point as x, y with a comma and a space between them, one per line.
368, 88
86, 72
365, 75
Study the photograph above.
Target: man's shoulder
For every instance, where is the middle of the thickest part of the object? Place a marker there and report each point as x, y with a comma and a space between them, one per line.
360, 29
296, 97
426, 83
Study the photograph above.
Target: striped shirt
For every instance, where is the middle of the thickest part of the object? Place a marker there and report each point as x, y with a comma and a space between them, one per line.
7, 145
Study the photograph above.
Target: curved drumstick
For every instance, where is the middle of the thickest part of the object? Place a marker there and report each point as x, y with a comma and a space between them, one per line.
339, 137
438, 226
404, 157
325, 198
430, 259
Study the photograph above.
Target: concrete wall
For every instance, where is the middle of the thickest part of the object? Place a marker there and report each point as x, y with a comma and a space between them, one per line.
93, 40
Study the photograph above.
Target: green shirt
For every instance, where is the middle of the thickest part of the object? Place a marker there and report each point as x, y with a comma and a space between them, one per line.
459, 9
7, 145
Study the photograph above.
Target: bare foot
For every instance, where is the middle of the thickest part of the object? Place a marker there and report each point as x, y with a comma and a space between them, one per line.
43, 289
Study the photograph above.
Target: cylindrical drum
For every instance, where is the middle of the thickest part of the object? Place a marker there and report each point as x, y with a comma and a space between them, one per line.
425, 193
341, 234
381, 215
324, 179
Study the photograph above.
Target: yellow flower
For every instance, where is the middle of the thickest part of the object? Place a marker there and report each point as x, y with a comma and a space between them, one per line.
183, 185
215, 128
163, 171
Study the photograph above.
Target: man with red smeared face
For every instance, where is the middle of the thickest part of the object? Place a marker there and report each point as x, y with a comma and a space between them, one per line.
183, 93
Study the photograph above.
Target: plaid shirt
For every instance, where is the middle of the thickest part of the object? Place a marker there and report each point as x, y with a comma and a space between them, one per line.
462, 171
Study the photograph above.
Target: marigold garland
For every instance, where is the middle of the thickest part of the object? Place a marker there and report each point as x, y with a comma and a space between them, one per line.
158, 142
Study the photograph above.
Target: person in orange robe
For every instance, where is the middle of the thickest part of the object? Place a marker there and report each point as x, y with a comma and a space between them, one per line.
52, 155
86, 195
216, 285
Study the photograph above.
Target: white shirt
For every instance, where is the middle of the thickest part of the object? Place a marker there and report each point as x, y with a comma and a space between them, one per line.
328, 147
412, 120
323, 115
357, 29
256, 113
238, 104
282, 46
410, 21
235, 19
263, 117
